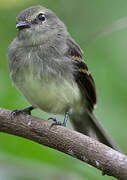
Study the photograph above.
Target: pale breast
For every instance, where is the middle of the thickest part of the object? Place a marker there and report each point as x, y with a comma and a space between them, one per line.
50, 89
49, 94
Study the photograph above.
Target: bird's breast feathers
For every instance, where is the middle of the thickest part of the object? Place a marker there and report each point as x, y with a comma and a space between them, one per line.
51, 94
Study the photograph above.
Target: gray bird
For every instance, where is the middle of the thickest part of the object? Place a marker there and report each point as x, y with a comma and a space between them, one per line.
47, 66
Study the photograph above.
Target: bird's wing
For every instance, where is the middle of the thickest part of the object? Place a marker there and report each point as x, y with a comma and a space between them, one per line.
81, 73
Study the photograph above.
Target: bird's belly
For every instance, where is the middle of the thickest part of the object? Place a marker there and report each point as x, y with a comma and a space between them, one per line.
51, 95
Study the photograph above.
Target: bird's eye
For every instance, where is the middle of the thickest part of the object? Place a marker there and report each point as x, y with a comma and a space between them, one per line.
41, 17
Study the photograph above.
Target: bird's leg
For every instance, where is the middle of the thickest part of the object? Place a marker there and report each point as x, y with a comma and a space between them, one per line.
56, 122
25, 111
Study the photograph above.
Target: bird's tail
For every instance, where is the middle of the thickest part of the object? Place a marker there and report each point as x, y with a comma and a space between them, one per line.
88, 124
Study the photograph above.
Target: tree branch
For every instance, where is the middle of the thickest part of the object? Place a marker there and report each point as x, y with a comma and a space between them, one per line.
75, 144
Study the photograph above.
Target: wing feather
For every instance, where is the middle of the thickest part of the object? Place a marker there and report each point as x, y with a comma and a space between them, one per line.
81, 74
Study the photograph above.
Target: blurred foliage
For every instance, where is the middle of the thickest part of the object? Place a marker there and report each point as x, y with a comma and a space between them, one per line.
107, 60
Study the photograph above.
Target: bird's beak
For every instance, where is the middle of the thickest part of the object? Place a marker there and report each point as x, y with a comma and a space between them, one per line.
23, 25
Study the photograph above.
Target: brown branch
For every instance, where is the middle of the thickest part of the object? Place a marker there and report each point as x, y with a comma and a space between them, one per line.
75, 144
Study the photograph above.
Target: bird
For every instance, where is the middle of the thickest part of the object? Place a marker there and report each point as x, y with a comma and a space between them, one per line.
47, 66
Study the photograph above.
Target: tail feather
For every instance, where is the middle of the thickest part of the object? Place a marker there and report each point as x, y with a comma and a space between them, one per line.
88, 124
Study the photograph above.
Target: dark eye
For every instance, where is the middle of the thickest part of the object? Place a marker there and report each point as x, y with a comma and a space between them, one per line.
41, 17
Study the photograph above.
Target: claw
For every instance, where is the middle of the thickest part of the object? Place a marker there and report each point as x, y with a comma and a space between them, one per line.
55, 122
15, 113
26, 111
54, 119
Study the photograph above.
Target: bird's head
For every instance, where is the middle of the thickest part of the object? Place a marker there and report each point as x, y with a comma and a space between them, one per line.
38, 24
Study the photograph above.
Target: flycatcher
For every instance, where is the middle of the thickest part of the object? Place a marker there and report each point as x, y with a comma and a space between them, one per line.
47, 66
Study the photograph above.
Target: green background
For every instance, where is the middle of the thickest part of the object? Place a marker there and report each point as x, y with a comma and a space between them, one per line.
106, 58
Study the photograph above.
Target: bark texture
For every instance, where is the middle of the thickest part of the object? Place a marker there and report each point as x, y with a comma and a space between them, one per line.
75, 144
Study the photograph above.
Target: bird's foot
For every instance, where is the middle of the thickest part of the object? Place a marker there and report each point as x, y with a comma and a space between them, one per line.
23, 111
56, 122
